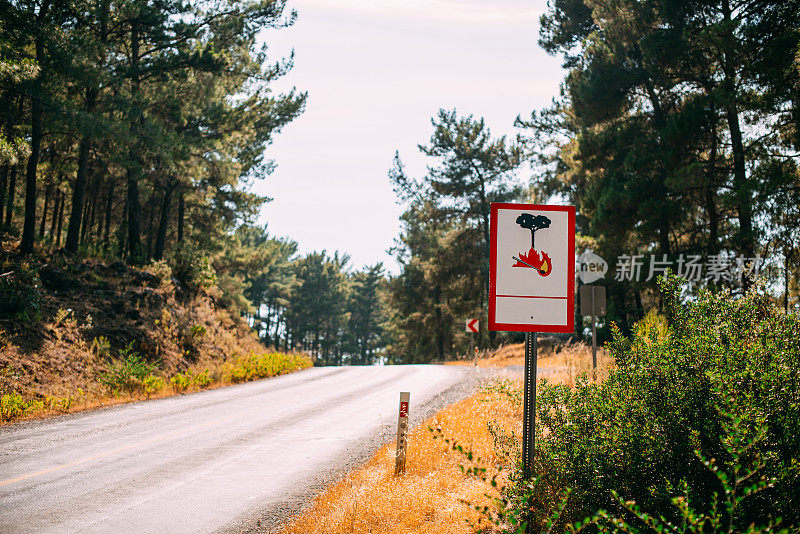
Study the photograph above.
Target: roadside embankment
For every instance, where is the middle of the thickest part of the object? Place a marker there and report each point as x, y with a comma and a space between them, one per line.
86, 334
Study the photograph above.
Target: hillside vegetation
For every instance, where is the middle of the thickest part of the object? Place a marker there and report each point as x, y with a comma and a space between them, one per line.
79, 334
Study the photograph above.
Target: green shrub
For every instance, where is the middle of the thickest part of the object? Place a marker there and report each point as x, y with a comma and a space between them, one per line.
201, 380
192, 268
264, 365
161, 269
702, 396
180, 382
13, 406
128, 373
20, 293
153, 384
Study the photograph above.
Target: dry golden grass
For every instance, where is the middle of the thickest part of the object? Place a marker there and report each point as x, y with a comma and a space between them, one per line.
559, 363
428, 498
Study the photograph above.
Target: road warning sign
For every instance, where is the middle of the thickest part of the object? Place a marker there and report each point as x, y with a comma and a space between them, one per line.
472, 326
532, 269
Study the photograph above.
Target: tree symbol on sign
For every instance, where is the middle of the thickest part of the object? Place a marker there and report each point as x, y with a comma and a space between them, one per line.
533, 223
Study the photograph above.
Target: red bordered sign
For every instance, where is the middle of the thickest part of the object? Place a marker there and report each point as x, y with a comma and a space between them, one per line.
532, 269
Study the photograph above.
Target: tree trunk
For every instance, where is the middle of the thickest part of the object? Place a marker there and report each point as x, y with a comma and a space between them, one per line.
29, 225
109, 207
711, 196
134, 220
12, 189
48, 192
787, 254
56, 208
134, 209
637, 296
163, 222
60, 219
181, 210
12, 173
78, 195
123, 231
87, 208
3, 188
151, 208
439, 322
741, 191
96, 206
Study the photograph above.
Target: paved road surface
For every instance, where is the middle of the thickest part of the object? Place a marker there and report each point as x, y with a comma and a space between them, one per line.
225, 460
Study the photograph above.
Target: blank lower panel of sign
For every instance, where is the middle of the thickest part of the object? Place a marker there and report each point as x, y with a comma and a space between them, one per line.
531, 310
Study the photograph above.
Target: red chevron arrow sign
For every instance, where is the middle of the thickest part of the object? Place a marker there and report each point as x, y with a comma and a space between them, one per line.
472, 326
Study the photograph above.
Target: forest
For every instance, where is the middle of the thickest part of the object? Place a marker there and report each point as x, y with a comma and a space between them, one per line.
676, 134
134, 131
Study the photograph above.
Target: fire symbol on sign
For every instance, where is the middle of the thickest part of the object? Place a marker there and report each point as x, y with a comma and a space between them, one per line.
541, 262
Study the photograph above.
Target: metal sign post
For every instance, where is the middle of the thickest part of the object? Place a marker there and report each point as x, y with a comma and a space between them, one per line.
402, 430
531, 289
593, 304
529, 406
473, 351
594, 338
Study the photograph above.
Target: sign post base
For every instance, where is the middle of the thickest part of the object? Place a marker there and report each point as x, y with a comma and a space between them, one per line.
529, 409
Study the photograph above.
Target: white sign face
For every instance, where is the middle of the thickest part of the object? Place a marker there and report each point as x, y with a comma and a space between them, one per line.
532, 270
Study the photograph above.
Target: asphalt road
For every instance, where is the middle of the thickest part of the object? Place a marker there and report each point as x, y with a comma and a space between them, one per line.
229, 460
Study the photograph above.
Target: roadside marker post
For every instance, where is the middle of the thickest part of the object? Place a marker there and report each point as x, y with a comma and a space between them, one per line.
593, 303
402, 431
473, 326
531, 288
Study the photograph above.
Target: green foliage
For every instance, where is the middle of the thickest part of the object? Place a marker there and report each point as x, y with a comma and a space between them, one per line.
12, 406
180, 382
675, 133
443, 249
161, 101
202, 379
364, 335
698, 425
161, 269
316, 310
61, 404
193, 340
192, 268
265, 365
129, 373
15, 406
152, 384
20, 294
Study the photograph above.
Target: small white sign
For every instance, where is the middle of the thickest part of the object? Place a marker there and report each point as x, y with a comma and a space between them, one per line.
532, 268
472, 326
591, 267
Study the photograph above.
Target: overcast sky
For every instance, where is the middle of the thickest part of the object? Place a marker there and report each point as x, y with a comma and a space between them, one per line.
376, 72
